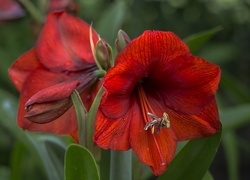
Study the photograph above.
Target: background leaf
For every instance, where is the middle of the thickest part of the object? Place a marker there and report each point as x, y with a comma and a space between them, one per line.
208, 176
235, 117
229, 141
111, 21
195, 41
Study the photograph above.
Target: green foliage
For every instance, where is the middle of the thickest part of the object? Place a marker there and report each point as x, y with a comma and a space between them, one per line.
196, 41
96, 151
81, 117
80, 164
111, 21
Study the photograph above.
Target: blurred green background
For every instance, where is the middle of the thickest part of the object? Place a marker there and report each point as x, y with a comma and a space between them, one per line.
229, 48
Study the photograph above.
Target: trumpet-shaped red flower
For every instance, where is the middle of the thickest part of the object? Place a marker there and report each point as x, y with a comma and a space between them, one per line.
155, 95
47, 74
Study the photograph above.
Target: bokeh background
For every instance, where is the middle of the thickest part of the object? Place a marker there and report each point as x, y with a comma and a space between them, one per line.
229, 48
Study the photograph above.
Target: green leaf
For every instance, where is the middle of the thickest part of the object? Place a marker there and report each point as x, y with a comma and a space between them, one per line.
234, 88
111, 21
195, 41
80, 164
95, 150
81, 117
56, 151
4, 172
229, 141
193, 161
40, 151
17, 163
235, 117
208, 176
23, 165
220, 53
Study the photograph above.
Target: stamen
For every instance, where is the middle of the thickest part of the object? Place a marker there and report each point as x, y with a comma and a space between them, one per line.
157, 121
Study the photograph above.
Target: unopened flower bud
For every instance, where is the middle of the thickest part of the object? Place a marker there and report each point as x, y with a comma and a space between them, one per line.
122, 39
48, 111
103, 54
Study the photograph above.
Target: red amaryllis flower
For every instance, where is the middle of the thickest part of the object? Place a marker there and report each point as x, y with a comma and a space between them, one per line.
47, 74
155, 95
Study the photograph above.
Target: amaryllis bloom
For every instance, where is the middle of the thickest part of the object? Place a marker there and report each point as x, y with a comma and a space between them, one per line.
47, 75
10, 10
156, 95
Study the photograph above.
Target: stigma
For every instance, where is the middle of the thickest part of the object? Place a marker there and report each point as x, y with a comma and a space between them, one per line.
160, 122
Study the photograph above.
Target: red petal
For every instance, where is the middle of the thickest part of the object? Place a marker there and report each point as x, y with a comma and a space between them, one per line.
22, 67
65, 42
155, 150
54, 93
205, 123
112, 133
154, 46
119, 83
186, 85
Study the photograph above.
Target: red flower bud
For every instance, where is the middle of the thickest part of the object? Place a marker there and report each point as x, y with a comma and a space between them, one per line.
47, 112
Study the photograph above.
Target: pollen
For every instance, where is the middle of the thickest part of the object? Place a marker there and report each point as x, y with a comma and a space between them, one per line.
160, 122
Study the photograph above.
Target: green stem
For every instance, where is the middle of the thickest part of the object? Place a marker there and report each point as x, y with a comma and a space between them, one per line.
121, 165
35, 13
80, 116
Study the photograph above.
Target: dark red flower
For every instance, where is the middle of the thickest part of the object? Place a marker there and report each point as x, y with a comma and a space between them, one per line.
10, 10
155, 95
47, 74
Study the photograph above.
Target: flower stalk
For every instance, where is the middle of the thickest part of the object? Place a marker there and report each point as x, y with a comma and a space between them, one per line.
121, 165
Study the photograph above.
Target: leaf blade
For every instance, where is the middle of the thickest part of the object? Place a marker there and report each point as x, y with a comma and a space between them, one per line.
80, 164
195, 41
